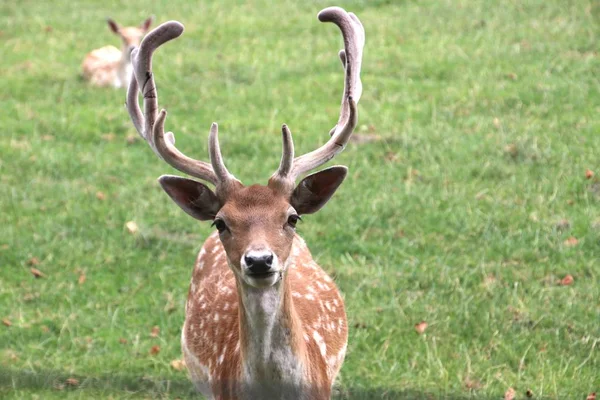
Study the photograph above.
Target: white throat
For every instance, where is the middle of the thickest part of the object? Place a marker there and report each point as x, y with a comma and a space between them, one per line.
269, 366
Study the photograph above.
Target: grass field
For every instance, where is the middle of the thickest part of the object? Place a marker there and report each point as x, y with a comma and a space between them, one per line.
467, 202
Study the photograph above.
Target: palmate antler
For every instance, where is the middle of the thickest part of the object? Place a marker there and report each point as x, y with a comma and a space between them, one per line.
150, 124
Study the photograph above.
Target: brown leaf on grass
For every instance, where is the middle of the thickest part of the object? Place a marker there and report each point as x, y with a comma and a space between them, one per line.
591, 396
567, 280
572, 241
37, 273
529, 393
562, 225
48, 29
45, 329
131, 139
509, 394
82, 278
72, 382
123, 341
33, 261
6, 322
589, 174
512, 150
512, 76
178, 365
100, 196
4, 247
155, 331
132, 227
155, 350
109, 137
420, 327
47, 138
472, 383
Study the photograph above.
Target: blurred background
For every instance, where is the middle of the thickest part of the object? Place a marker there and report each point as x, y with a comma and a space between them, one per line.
465, 238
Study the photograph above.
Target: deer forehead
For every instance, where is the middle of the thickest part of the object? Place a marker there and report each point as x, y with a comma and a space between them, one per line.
255, 206
132, 35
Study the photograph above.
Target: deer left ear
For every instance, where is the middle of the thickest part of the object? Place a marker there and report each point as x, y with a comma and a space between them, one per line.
314, 191
146, 24
193, 197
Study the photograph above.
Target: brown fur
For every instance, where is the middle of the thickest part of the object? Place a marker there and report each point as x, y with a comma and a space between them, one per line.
215, 324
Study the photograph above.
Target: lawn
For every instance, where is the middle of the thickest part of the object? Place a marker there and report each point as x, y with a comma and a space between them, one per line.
472, 201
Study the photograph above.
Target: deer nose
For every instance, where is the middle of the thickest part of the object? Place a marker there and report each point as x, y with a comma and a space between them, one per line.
258, 262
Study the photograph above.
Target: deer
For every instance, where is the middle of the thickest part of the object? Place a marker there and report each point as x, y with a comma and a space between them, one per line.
262, 319
109, 66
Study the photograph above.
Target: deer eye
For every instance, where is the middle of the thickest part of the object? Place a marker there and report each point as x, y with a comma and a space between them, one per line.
220, 225
293, 219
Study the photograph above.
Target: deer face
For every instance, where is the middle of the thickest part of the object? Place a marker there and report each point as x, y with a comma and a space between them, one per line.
131, 36
256, 224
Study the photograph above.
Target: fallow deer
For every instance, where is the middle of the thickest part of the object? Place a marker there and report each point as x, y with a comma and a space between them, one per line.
262, 319
109, 66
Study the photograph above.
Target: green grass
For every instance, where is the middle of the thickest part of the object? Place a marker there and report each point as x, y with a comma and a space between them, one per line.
487, 115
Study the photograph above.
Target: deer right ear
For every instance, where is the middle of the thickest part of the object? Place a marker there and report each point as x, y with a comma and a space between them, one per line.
193, 197
113, 25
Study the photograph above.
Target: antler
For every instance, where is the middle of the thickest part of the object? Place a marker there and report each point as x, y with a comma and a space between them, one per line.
351, 56
151, 127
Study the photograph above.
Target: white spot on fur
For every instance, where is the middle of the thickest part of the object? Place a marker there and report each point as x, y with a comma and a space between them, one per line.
216, 317
309, 296
296, 294
320, 342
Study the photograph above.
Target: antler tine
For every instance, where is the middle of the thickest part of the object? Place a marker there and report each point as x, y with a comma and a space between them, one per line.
149, 125
280, 178
351, 58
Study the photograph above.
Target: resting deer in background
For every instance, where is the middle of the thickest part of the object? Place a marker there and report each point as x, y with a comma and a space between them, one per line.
109, 66
262, 319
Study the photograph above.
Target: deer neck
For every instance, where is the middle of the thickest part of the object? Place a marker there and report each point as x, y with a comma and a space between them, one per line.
270, 337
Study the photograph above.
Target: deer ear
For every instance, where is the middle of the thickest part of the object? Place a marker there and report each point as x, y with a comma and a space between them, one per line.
113, 25
193, 197
316, 189
146, 24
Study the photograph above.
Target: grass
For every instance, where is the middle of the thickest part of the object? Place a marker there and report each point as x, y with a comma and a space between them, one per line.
459, 212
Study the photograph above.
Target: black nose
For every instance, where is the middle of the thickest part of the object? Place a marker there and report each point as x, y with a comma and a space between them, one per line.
259, 263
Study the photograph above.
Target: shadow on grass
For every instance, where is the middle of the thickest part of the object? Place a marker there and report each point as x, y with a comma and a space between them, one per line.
119, 383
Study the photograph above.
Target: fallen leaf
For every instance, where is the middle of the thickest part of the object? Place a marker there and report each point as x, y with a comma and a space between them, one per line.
100, 196
37, 273
5, 247
512, 76
109, 137
155, 350
48, 29
33, 261
512, 150
131, 139
123, 341
72, 382
572, 241
562, 225
179, 365
510, 394
45, 329
529, 393
472, 383
496, 122
567, 280
155, 331
132, 227
420, 327
47, 138
589, 174
81, 279
6, 322
591, 396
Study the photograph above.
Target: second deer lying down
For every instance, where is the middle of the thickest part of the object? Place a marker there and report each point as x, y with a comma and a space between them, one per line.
109, 66
262, 319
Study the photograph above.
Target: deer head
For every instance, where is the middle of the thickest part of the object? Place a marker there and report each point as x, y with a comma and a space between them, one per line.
131, 36
256, 223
